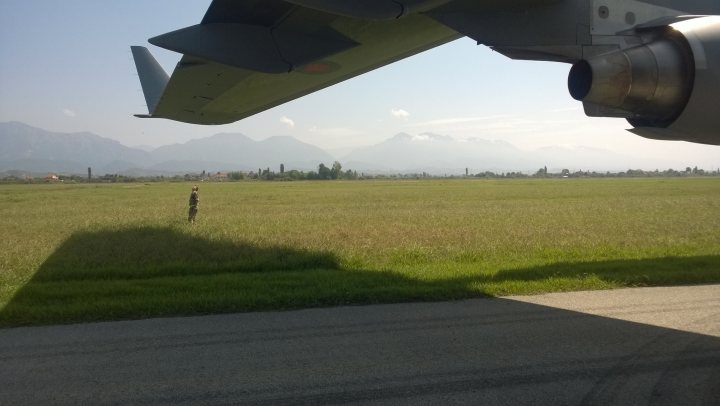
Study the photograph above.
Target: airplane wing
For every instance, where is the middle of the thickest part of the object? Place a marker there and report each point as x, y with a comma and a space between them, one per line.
250, 55
247, 56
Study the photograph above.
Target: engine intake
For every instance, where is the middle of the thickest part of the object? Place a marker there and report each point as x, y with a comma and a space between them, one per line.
666, 89
648, 84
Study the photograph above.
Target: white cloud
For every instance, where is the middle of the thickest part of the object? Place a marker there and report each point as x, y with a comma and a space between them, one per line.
69, 113
400, 113
288, 122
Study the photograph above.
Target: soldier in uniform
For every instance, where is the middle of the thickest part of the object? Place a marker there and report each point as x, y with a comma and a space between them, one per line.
194, 201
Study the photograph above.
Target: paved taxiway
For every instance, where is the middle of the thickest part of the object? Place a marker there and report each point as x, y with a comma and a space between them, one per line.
630, 346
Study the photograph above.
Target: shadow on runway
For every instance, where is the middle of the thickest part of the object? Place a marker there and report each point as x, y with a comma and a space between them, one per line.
151, 271
486, 352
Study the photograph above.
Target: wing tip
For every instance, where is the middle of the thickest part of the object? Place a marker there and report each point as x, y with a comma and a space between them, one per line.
153, 77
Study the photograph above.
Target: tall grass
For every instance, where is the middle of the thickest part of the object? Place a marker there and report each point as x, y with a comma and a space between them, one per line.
94, 252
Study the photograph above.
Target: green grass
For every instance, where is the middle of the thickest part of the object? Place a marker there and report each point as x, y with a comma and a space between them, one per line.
101, 252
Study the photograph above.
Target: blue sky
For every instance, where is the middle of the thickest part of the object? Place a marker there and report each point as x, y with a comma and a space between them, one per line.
66, 66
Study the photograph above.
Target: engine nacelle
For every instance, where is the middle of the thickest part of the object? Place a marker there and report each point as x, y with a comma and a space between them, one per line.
668, 88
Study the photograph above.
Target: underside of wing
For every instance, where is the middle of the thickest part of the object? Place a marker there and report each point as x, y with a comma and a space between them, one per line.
630, 59
249, 56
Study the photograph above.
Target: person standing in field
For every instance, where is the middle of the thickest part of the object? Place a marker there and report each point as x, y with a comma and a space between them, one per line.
194, 201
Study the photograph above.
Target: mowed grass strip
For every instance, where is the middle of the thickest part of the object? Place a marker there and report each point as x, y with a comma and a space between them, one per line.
74, 253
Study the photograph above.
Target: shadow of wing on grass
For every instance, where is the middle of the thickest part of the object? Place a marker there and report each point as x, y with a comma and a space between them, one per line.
153, 252
630, 272
151, 272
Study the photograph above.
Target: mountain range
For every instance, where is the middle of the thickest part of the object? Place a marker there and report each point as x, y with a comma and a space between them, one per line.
439, 154
34, 150
26, 148
435, 153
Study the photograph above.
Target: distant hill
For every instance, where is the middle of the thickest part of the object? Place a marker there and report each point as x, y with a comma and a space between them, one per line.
27, 148
237, 151
438, 154
23, 147
30, 149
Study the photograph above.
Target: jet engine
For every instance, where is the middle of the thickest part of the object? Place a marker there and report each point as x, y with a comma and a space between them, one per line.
667, 87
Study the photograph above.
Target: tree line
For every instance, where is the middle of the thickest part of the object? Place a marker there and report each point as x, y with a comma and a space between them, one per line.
323, 173
336, 172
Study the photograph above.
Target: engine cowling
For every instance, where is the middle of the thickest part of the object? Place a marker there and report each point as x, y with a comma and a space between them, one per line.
667, 88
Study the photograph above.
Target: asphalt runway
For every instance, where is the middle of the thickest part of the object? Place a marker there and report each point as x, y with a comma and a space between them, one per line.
657, 346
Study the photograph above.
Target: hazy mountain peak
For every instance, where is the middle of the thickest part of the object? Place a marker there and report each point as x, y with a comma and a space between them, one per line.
29, 148
225, 138
401, 137
281, 139
230, 136
428, 136
422, 137
15, 124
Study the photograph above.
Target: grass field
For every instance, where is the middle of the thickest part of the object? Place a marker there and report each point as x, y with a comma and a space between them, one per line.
103, 252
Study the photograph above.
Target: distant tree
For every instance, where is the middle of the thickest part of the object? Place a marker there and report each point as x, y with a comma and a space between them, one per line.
466, 172
236, 175
282, 169
323, 172
635, 172
336, 171
295, 174
350, 174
